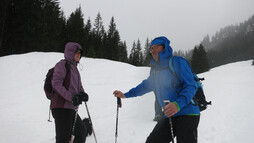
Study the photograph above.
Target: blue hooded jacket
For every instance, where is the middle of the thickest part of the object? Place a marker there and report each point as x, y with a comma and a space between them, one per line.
160, 80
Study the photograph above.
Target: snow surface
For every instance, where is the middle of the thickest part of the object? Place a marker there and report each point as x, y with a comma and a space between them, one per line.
24, 107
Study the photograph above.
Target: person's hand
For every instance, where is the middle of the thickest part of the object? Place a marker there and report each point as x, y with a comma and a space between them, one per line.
170, 109
119, 94
83, 96
75, 100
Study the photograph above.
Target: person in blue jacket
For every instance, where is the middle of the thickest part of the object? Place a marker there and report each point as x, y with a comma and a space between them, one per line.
185, 115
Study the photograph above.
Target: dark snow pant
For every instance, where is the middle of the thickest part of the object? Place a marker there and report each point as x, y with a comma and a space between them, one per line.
185, 130
64, 119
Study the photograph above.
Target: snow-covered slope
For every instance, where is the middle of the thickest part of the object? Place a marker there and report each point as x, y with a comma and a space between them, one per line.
24, 107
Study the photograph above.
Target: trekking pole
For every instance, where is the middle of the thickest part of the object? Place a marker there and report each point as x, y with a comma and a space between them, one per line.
91, 123
119, 105
73, 127
50, 110
49, 116
170, 122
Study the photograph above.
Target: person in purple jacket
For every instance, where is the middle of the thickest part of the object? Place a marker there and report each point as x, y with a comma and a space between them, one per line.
68, 95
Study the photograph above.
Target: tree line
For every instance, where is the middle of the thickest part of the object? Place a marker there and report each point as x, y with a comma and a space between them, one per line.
231, 44
40, 25
197, 58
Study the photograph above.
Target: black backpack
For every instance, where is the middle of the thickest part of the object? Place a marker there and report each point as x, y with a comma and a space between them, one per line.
199, 97
48, 89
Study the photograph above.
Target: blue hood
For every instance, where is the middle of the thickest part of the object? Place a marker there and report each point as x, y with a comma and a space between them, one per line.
165, 55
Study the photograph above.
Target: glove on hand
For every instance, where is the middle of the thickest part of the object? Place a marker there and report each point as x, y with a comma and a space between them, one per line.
83, 96
78, 98
75, 100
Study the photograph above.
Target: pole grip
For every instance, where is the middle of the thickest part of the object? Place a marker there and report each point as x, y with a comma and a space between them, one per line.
119, 102
170, 122
166, 102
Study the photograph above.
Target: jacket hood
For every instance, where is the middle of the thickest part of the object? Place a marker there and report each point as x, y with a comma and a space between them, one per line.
164, 55
70, 49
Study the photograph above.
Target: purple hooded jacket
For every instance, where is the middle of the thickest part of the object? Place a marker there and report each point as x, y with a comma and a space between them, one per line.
62, 97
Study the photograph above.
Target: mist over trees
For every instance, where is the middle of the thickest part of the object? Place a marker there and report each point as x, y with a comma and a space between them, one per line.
27, 26
231, 44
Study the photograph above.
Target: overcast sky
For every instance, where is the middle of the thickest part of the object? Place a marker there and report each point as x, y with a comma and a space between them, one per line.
184, 22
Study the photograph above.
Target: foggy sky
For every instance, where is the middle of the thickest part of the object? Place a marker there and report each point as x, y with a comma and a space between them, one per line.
184, 22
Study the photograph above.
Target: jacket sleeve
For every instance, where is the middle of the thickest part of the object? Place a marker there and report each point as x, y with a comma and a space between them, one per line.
141, 89
58, 79
188, 86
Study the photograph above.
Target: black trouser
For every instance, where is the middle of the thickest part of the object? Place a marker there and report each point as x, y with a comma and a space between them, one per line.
185, 130
64, 119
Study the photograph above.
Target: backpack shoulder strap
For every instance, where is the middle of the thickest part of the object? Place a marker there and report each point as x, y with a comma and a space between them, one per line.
66, 82
172, 67
67, 66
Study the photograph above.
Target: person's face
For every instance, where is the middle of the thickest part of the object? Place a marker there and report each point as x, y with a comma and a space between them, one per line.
77, 56
155, 49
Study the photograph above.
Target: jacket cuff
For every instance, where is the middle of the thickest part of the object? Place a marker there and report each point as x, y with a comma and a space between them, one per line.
127, 95
178, 108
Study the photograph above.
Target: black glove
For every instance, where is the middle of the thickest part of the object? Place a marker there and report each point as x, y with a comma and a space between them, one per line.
83, 96
75, 100
78, 98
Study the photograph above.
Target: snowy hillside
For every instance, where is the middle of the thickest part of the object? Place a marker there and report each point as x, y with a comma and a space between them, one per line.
24, 107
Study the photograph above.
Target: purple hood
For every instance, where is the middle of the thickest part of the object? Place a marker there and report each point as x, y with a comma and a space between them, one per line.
70, 49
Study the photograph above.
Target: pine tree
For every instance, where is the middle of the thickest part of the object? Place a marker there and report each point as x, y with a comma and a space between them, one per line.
131, 58
139, 54
113, 41
98, 32
52, 34
3, 20
21, 26
91, 53
98, 26
136, 56
147, 54
75, 27
61, 38
31, 26
199, 60
105, 46
123, 52
87, 36
204, 59
194, 60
